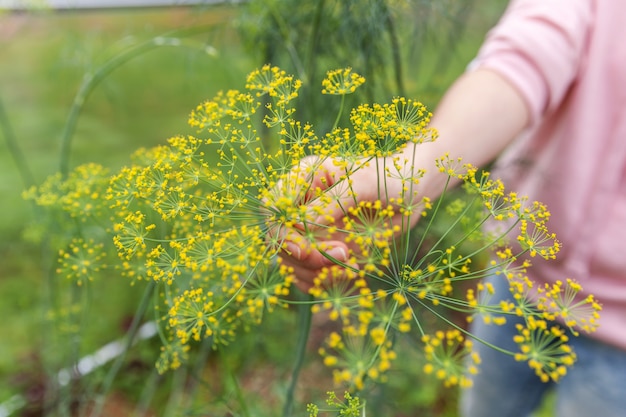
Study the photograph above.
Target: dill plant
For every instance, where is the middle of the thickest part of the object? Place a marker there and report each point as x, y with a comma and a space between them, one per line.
203, 218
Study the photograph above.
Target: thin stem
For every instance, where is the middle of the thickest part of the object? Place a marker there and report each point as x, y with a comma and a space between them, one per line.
314, 40
451, 226
241, 398
147, 394
197, 369
92, 78
292, 50
431, 221
130, 338
311, 59
16, 153
304, 328
395, 50
343, 100
461, 329
176, 395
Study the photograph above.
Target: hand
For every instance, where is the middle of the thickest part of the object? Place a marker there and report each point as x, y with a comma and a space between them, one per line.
308, 264
329, 199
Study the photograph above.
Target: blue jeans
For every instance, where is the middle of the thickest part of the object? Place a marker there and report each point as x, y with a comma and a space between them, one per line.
594, 387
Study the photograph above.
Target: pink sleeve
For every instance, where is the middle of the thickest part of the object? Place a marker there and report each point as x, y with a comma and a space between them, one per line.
538, 45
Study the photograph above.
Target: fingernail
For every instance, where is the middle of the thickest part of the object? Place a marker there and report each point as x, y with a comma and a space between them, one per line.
337, 253
293, 249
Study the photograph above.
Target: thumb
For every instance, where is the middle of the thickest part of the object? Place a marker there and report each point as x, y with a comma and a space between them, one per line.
347, 184
333, 252
332, 192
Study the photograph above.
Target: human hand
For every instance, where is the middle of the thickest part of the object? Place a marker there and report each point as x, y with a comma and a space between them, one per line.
337, 202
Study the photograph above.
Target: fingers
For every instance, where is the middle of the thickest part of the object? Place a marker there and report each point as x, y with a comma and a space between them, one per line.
326, 189
308, 263
314, 259
333, 192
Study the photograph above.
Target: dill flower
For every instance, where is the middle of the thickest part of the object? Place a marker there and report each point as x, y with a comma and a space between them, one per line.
192, 317
341, 299
350, 406
356, 357
81, 260
574, 311
280, 86
79, 195
132, 234
205, 217
545, 349
341, 82
173, 356
382, 129
446, 352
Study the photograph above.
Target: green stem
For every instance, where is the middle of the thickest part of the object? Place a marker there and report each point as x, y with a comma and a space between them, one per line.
17, 154
461, 329
130, 338
314, 41
395, 50
292, 49
241, 398
92, 78
147, 394
304, 328
195, 380
343, 100
459, 21
174, 405
431, 221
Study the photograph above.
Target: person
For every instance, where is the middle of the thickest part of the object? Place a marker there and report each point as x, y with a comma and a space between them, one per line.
546, 94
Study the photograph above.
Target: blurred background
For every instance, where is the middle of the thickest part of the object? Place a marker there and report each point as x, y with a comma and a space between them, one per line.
92, 81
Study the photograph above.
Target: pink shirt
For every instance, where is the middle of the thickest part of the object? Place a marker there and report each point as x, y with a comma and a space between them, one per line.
567, 58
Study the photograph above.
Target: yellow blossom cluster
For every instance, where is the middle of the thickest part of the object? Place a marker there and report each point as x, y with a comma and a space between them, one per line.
79, 195
81, 260
350, 406
341, 82
445, 351
206, 216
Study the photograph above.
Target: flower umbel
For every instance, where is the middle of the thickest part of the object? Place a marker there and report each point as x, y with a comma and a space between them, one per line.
341, 82
204, 217
81, 260
350, 407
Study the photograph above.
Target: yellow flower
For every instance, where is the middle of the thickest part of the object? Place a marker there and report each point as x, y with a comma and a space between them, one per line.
341, 82
446, 353
81, 261
208, 215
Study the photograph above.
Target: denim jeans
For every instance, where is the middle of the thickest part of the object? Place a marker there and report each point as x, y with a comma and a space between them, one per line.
594, 387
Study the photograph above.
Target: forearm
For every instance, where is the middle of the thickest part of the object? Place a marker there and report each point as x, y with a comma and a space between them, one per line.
476, 119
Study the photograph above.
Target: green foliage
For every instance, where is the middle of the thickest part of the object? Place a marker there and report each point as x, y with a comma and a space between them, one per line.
401, 47
309, 37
